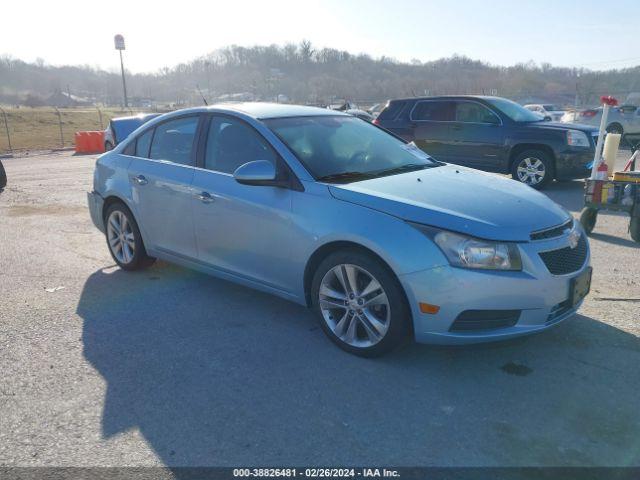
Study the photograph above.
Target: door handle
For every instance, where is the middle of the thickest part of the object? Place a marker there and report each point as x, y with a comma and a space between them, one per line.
456, 127
140, 180
205, 197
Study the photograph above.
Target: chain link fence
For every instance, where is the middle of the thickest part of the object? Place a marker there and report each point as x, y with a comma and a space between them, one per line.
43, 128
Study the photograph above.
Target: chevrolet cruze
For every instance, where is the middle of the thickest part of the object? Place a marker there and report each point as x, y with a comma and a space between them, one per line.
381, 240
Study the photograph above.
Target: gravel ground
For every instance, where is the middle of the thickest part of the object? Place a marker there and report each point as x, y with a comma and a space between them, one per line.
170, 367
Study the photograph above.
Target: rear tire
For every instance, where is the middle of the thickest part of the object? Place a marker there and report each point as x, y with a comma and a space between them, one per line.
533, 168
588, 219
360, 303
124, 240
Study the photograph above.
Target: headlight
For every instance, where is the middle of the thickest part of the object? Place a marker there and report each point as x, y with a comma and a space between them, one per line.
469, 252
576, 138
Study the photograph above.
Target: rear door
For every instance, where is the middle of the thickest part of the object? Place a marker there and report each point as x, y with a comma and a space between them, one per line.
161, 174
477, 136
431, 122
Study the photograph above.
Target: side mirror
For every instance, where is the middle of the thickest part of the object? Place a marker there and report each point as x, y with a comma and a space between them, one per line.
258, 172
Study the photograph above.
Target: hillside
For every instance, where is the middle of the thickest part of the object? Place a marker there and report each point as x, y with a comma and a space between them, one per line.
302, 73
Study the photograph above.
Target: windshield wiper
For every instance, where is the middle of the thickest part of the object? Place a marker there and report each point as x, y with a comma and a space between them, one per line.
409, 167
344, 176
347, 176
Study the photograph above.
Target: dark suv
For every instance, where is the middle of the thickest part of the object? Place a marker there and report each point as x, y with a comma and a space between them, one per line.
493, 134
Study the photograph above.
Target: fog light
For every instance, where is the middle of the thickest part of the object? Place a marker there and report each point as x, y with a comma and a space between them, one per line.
428, 308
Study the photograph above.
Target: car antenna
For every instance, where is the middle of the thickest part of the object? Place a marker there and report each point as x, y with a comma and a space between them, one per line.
200, 92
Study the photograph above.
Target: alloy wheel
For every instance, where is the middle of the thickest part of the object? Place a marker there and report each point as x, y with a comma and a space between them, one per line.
120, 237
354, 305
531, 171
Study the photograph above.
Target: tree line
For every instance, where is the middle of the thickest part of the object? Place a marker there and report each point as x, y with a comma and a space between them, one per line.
303, 73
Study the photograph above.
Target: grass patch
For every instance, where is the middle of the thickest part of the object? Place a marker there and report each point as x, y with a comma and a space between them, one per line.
39, 128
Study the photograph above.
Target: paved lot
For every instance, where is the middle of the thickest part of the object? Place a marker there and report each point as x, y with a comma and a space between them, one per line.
170, 367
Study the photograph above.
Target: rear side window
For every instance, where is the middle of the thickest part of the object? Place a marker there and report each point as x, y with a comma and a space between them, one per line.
391, 111
434, 111
471, 112
173, 140
142, 144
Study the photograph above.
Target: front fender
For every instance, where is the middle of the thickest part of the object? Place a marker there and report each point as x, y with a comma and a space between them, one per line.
402, 247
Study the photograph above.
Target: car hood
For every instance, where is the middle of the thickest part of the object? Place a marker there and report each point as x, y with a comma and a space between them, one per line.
458, 199
563, 126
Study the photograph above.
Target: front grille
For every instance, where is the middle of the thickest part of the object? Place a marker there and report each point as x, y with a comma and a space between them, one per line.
476, 320
552, 232
566, 260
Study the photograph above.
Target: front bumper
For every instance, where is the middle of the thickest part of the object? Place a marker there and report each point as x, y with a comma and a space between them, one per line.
574, 163
96, 203
540, 297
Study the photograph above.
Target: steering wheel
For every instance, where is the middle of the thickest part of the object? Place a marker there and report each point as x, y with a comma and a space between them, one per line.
359, 157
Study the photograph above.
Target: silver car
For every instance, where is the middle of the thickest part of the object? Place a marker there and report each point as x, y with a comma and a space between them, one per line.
624, 119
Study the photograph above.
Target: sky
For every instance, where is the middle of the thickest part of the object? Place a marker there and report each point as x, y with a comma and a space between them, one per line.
164, 33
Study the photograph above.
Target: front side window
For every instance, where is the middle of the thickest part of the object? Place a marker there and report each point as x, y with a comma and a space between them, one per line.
143, 143
174, 140
514, 111
434, 111
231, 143
344, 148
471, 112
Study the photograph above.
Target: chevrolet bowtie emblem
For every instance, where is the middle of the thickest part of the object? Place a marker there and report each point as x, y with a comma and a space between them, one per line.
574, 238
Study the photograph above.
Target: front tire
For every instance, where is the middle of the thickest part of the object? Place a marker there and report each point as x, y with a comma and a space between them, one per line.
634, 229
124, 239
533, 168
108, 146
588, 219
360, 303
615, 128
3, 177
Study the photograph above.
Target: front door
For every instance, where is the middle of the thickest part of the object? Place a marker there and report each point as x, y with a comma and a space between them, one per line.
477, 137
241, 229
161, 174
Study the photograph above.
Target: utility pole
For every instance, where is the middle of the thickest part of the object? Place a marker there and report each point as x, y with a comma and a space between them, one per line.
575, 117
119, 42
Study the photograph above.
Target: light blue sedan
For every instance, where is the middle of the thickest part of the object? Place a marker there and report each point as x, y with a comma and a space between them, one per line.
321, 208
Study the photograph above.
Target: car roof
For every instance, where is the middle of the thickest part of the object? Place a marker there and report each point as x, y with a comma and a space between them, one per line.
263, 110
141, 117
449, 97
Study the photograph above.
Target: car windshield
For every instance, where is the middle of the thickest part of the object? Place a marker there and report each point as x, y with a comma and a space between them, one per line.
343, 149
551, 108
514, 111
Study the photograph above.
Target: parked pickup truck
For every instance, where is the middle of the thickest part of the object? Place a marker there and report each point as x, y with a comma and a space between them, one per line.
493, 134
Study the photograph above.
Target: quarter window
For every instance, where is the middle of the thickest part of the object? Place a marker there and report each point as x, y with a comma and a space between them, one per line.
231, 143
471, 112
143, 143
433, 111
174, 140
130, 149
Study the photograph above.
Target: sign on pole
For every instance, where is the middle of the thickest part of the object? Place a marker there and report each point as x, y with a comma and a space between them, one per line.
119, 42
